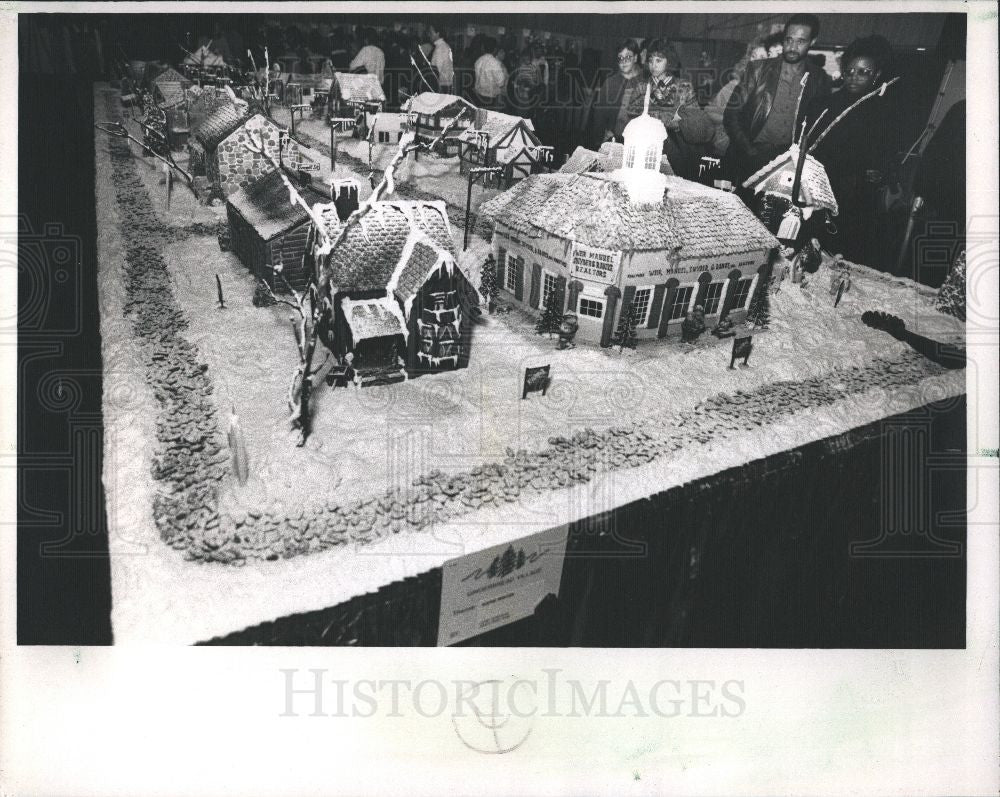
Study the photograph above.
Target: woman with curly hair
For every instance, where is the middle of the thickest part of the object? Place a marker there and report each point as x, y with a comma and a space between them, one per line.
859, 150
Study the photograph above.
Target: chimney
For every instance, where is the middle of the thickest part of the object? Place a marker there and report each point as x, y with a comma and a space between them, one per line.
344, 193
481, 115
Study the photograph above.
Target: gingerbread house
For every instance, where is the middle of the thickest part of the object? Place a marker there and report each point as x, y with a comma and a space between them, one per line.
221, 150
358, 96
608, 242
430, 112
401, 302
169, 89
267, 231
777, 177
501, 139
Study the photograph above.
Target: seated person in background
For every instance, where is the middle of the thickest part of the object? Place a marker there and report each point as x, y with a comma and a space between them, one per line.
673, 102
859, 151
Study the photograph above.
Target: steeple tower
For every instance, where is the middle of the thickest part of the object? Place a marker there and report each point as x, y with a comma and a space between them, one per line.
640, 172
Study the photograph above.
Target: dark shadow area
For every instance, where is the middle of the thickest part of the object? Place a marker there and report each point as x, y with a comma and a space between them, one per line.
64, 581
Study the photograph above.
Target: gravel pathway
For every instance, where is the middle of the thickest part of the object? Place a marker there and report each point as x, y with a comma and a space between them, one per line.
191, 455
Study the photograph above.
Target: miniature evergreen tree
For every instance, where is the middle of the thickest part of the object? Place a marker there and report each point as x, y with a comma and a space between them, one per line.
951, 295
508, 561
627, 325
551, 316
759, 312
488, 282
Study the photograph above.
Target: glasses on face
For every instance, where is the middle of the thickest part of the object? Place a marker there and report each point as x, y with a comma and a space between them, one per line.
791, 42
860, 71
624, 59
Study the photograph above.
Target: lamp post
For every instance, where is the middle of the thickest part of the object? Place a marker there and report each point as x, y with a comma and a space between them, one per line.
475, 172
338, 124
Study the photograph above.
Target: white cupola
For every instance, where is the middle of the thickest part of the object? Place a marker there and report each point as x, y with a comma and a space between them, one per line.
640, 171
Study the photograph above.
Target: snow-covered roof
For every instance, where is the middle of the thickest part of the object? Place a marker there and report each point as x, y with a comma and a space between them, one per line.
595, 209
218, 125
373, 318
498, 125
387, 120
374, 247
777, 177
170, 93
171, 75
359, 88
610, 157
430, 102
265, 204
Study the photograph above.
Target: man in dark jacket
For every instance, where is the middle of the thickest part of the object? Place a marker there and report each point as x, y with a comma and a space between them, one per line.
768, 106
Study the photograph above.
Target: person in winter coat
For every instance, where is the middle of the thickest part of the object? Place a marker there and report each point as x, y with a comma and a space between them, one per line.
766, 109
609, 113
858, 151
673, 102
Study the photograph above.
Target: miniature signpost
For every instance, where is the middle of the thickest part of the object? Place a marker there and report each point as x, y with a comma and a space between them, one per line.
535, 379
338, 124
218, 285
301, 108
741, 348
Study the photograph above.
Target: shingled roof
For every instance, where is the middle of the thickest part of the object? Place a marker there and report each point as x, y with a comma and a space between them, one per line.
372, 318
265, 204
171, 75
498, 125
218, 125
171, 94
776, 178
377, 245
430, 102
607, 160
359, 88
594, 209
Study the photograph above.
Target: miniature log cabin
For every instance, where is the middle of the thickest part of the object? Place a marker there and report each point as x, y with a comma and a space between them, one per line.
267, 230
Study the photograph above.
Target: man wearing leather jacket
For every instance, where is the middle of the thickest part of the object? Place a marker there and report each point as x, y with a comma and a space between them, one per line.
770, 103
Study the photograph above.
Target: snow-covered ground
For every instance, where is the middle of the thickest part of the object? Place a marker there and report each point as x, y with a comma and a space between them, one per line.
365, 442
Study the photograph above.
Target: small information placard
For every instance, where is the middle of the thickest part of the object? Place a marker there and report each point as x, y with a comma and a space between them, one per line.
499, 585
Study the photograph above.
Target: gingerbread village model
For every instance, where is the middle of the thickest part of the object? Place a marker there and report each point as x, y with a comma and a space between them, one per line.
291, 281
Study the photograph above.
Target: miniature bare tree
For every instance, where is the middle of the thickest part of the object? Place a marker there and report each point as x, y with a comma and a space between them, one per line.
315, 306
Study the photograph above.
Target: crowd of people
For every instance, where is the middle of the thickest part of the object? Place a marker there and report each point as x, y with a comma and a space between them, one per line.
777, 93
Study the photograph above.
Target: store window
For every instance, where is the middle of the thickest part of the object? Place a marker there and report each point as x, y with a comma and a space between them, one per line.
742, 293
681, 300
713, 297
641, 302
592, 308
548, 286
513, 270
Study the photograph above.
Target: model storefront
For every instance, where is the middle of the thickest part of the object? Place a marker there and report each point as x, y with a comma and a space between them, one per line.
606, 241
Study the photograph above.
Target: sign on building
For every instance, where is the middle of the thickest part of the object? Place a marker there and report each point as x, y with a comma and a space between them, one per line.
597, 265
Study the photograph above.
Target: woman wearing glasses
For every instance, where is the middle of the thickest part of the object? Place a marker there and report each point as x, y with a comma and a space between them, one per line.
859, 150
609, 117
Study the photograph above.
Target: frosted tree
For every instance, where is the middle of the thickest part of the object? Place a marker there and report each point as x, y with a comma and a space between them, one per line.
627, 325
551, 315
